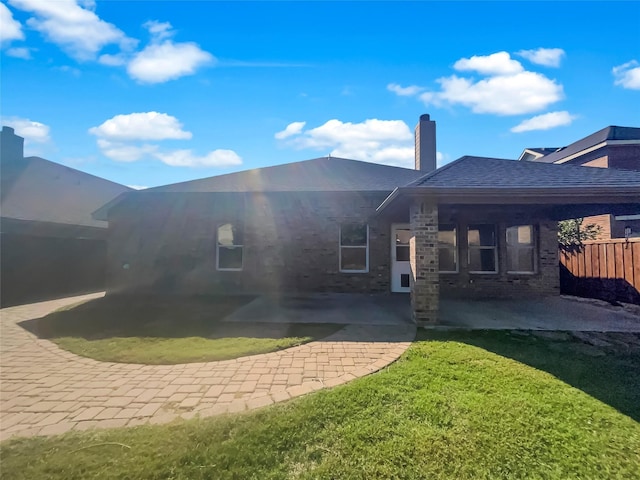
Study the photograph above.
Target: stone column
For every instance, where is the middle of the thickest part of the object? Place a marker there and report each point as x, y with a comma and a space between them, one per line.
425, 287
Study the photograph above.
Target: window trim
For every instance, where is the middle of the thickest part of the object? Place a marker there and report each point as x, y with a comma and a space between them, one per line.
340, 247
221, 269
495, 249
534, 247
456, 250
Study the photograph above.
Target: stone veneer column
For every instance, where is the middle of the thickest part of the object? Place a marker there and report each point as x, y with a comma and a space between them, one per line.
425, 287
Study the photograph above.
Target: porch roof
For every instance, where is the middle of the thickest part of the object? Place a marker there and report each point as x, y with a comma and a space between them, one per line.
479, 180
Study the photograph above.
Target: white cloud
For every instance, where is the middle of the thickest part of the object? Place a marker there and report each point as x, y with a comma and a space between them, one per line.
409, 91
138, 187
186, 158
545, 121
123, 152
291, 129
163, 60
113, 60
73, 26
10, 28
521, 93
141, 126
627, 75
167, 61
159, 30
19, 52
499, 63
32, 132
121, 138
380, 141
549, 57
507, 89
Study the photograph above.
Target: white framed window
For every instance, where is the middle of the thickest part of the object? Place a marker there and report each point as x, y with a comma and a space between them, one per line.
354, 248
482, 256
521, 249
229, 248
447, 248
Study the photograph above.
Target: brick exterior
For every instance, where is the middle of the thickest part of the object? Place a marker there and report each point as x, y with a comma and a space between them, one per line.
168, 243
626, 157
425, 291
502, 284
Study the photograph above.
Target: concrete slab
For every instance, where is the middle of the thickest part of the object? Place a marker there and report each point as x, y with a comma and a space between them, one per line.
552, 313
340, 308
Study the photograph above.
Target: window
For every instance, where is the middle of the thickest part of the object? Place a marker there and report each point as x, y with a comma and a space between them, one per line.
448, 248
403, 236
354, 248
483, 249
230, 247
521, 249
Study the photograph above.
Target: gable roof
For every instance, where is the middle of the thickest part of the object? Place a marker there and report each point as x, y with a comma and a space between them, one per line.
36, 189
608, 134
325, 174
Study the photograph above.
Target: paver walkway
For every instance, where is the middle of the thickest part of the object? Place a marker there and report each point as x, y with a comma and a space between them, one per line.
45, 390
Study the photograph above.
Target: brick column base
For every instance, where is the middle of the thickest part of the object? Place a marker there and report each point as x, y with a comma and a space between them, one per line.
425, 286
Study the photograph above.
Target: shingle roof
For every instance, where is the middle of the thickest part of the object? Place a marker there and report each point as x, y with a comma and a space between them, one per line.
41, 190
496, 173
608, 133
326, 174
543, 150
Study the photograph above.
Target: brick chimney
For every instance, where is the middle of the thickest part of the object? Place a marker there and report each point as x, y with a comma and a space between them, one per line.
425, 141
11, 146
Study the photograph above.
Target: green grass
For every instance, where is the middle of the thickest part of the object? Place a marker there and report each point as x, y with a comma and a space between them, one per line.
481, 405
152, 330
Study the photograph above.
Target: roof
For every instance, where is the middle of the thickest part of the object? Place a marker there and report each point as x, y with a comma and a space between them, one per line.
536, 153
481, 179
325, 174
543, 150
499, 173
607, 134
40, 190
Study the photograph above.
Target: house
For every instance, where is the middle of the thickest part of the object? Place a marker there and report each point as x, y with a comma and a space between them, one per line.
611, 147
51, 246
477, 227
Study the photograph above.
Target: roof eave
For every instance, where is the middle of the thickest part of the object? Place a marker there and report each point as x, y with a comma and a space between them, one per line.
518, 195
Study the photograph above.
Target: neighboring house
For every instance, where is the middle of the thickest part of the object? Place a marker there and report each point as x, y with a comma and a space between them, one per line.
478, 227
611, 147
50, 244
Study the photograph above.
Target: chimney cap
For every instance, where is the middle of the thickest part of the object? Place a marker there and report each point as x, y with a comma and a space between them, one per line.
425, 117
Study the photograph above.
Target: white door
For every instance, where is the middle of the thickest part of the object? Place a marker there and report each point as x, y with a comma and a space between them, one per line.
400, 266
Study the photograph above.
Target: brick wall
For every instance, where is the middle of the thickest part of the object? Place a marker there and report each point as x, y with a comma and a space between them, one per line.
167, 243
625, 157
502, 284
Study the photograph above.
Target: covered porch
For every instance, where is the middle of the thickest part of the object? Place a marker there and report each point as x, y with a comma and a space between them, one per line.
479, 235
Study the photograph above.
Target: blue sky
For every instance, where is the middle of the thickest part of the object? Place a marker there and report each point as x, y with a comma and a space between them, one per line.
153, 92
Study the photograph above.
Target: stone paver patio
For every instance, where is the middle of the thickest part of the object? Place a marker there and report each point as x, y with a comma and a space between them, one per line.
45, 390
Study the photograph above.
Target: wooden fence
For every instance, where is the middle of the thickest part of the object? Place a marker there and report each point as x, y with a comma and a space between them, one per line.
609, 270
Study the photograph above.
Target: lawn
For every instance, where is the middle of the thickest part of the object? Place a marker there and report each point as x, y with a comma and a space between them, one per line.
155, 330
457, 405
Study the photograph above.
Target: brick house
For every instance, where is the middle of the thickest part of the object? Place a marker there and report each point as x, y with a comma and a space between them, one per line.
612, 147
51, 246
476, 227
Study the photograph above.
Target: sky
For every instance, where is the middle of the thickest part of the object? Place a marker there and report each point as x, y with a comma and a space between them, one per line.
148, 93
